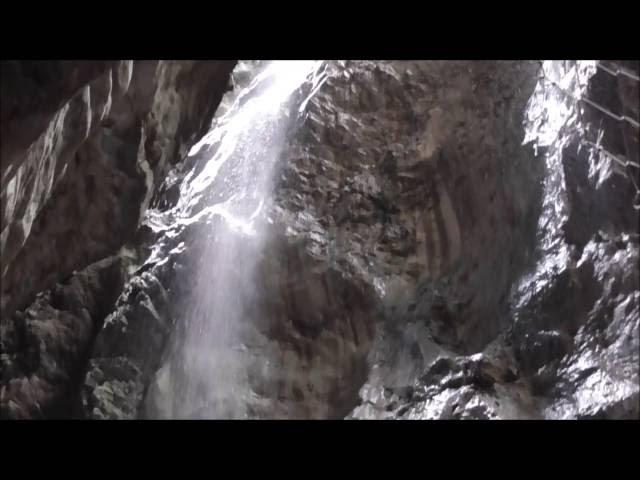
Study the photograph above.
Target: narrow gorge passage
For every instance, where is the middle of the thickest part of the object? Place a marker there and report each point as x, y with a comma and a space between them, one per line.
320, 240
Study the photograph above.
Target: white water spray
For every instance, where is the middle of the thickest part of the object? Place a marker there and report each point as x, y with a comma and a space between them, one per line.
205, 372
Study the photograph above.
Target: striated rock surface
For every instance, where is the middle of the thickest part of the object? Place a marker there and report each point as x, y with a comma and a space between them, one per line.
405, 172
45, 347
82, 183
570, 346
304, 327
84, 147
441, 240
405, 180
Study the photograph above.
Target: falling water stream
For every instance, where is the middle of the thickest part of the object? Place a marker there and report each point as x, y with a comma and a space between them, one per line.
205, 373
206, 369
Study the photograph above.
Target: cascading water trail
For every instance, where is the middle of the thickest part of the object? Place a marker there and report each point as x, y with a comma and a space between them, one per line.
204, 374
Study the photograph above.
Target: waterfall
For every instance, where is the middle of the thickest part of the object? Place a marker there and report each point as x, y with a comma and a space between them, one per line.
204, 374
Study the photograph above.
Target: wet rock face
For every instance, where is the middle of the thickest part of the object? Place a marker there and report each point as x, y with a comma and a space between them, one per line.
413, 174
32, 92
78, 167
570, 349
404, 195
304, 339
575, 331
45, 347
84, 147
577, 339
420, 261
303, 333
408, 181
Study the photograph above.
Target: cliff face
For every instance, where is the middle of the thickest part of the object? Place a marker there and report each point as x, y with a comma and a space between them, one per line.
569, 345
84, 146
79, 165
443, 241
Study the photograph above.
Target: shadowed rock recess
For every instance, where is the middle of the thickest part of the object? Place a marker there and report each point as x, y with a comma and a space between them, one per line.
440, 240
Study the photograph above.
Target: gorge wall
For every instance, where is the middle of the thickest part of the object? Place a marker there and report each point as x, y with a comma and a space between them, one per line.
84, 147
443, 241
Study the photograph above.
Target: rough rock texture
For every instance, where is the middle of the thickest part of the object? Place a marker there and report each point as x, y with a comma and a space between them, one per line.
32, 93
305, 335
407, 182
445, 242
576, 319
404, 172
45, 348
571, 349
84, 147
314, 330
81, 184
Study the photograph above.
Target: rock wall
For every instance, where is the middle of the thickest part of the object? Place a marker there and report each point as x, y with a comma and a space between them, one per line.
84, 147
81, 183
570, 347
307, 326
407, 203
444, 243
